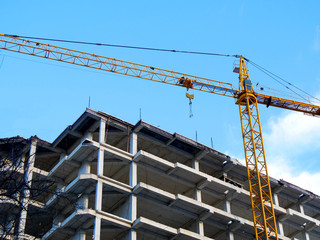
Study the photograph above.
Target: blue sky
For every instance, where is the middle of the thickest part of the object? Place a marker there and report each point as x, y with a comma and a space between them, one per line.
40, 97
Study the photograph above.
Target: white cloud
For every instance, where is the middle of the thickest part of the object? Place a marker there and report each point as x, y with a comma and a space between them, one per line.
283, 169
292, 143
293, 133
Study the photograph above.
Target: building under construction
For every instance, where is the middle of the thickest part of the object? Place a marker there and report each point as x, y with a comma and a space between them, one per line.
104, 178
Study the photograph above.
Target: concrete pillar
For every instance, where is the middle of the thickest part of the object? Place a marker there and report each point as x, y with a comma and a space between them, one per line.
85, 168
275, 199
99, 186
83, 202
100, 160
301, 208
280, 228
133, 166
89, 135
195, 164
230, 235
133, 174
80, 235
62, 156
102, 131
200, 227
199, 223
27, 180
197, 196
57, 221
279, 224
132, 207
133, 143
227, 206
132, 235
97, 228
306, 236
133, 180
60, 188
231, 194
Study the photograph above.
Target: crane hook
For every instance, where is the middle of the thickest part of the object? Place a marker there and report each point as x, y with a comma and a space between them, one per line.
190, 96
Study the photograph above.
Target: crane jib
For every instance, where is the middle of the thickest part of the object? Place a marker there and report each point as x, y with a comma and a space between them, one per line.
15, 44
215, 89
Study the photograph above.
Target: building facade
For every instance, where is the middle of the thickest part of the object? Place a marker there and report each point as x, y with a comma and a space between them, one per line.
104, 178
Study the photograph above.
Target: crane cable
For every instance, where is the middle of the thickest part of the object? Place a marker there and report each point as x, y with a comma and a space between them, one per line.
267, 72
282, 81
122, 46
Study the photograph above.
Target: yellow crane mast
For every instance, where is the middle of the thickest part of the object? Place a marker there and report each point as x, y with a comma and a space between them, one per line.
247, 99
258, 178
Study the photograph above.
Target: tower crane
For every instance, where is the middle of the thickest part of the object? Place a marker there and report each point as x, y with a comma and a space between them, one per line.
246, 98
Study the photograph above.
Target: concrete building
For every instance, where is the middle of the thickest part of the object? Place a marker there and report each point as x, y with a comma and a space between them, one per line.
114, 180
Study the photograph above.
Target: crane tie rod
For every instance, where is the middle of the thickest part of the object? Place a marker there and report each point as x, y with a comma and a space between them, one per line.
124, 46
283, 82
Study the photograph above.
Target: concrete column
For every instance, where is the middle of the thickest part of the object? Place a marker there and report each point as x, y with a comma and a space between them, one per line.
275, 199
27, 180
280, 228
57, 221
301, 208
197, 196
102, 131
98, 199
133, 180
83, 202
133, 174
231, 194
97, 228
89, 135
200, 227
99, 186
133, 166
230, 235
195, 164
102, 134
133, 143
279, 224
199, 223
132, 207
132, 235
85, 168
306, 236
132, 198
227, 206
80, 235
